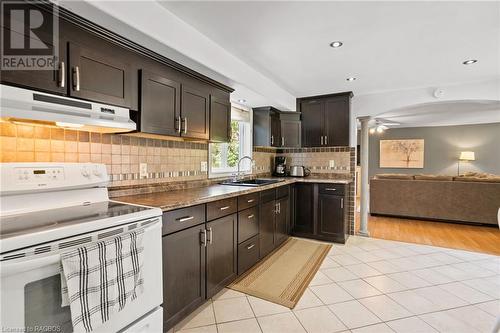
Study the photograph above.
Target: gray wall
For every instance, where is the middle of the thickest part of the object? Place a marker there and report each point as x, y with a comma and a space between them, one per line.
443, 145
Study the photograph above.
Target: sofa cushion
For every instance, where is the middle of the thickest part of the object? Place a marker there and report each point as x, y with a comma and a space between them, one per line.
490, 179
394, 176
434, 177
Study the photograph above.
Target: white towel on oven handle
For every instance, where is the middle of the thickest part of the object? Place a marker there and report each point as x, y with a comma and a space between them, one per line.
100, 279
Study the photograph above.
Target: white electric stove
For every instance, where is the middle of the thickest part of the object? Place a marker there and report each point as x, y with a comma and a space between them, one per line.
49, 208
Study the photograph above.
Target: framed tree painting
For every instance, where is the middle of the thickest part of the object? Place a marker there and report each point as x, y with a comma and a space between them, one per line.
402, 153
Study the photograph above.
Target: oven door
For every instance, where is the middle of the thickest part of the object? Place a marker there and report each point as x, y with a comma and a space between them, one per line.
31, 289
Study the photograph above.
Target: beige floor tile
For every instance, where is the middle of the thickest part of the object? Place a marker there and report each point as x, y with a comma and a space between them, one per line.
345, 259
359, 288
329, 263
433, 276
353, 314
385, 284
331, 293
232, 309
308, 300
384, 267
203, 316
319, 279
446, 323
385, 308
474, 317
465, 292
280, 323
413, 302
203, 329
493, 307
319, 320
240, 326
228, 293
264, 308
410, 325
409, 280
339, 274
443, 299
378, 328
363, 270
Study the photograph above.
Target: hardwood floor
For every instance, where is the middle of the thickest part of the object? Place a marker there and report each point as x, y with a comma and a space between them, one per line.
451, 235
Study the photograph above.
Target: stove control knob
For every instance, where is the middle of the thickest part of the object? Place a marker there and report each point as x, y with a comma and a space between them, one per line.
85, 172
97, 172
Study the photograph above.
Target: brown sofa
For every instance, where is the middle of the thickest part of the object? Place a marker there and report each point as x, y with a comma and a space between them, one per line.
460, 199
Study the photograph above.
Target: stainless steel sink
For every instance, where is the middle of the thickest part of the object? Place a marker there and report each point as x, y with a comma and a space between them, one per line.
252, 182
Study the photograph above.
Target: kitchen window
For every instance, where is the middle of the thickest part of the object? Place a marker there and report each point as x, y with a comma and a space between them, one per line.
224, 157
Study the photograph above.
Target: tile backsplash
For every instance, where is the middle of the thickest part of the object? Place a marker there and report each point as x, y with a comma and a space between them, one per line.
167, 160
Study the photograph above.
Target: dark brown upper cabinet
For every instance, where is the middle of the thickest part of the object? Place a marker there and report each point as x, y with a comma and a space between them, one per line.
290, 129
195, 113
266, 127
325, 120
160, 110
220, 119
98, 76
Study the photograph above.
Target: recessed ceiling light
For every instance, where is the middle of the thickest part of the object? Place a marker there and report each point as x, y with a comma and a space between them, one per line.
336, 44
351, 79
469, 62
242, 101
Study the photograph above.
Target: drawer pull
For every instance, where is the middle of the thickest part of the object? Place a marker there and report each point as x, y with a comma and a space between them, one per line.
251, 216
224, 208
249, 247
250, 201
330, 189
186, 218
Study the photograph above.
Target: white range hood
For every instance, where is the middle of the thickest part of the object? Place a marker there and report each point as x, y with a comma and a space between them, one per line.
24, 105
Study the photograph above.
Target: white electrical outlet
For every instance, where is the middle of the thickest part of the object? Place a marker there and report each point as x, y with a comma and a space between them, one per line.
204, 166
332, 164
143, 170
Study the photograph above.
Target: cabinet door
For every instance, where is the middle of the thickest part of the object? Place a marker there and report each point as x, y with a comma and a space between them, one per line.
183, 274
312, 122
194, 113
304, 208
290, 133
221, 253
282, 221
99, 77
276, 140
52, 81
331, 216
220, 119
266, 227
160, 105
337, 121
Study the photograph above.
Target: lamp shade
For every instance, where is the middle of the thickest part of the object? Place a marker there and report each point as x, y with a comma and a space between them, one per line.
467, 156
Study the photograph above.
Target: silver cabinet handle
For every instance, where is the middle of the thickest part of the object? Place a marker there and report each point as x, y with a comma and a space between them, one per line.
203, 236
185, 121
322, 140
330, 189
326, 140
179, 124
76, 78
249, 247
210, 235
251, 200
272, 139
184, 219
224, 208
62, 74
282, 141
251, 216
341, 202
279, 207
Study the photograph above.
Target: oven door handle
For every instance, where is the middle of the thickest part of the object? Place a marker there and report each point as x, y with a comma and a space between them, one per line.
16, 267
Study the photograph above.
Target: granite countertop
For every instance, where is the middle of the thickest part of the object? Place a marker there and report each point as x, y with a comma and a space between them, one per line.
170, 200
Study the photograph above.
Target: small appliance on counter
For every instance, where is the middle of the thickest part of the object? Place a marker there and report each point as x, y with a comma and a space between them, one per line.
299, 171
279, 166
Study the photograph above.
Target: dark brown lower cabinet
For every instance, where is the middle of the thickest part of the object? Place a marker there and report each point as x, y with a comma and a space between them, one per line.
304, 208
183, 274
331, 216
282, 221
222, 253
266, 227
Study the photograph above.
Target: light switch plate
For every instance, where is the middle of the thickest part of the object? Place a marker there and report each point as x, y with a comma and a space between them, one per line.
143, 170
204, 166
332, 164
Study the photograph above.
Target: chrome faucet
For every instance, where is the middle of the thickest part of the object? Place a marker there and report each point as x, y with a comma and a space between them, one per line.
239, 162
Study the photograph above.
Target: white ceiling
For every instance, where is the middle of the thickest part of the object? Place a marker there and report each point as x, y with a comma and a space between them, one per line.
387, 45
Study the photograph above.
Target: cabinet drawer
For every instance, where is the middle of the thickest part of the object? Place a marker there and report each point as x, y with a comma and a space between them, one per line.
282, 191
248, 223
249, 200
267, 195
221, 208
183, 218
337, 189
248, 254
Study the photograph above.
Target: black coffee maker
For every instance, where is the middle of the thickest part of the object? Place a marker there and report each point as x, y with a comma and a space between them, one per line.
279, 166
